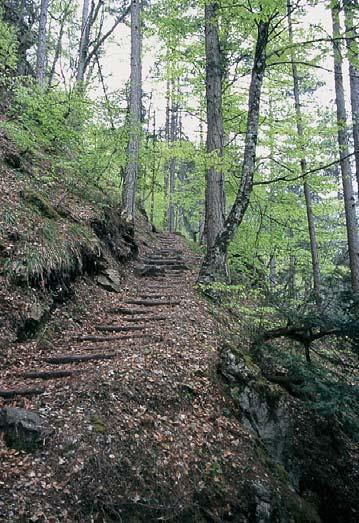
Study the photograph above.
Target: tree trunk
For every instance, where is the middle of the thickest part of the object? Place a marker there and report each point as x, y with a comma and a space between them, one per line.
272, 272
41, 46
132, 170
303, 165
292, 270
153, 174
84, 40
173, 133
214, 267
351, 8
215, 197
343, 142
58, 48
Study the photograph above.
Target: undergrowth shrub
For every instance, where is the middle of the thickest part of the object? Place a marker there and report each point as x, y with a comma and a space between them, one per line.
72, 132
8, 50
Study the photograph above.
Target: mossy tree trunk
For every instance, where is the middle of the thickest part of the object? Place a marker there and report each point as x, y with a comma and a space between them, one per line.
132, 170
214, 267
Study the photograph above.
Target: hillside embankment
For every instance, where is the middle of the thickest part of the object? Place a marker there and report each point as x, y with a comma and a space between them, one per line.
125, 397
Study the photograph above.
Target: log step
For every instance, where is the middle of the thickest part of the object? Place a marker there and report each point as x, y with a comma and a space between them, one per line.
166, 264
180, 267
75, 358
148, 319
154, 296
126, 311
162, 261
119, 328
13, 393
49, 374
159, 257
152, 303
100, 339
167, 252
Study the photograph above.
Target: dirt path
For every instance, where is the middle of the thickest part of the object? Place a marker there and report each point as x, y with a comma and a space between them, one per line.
141, 423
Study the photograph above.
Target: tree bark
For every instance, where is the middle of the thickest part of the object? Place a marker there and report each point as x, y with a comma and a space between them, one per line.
304, 169
351, 8
84, 40
214, 267
272, 272
215, 197
41, 46
132, 170
343, 142
173, 134
65, 15
22, 16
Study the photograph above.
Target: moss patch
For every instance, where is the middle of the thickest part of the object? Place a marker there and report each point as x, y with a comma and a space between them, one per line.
40, 202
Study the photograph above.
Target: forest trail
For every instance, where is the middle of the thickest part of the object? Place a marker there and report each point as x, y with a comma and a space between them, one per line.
146, 314
136, 384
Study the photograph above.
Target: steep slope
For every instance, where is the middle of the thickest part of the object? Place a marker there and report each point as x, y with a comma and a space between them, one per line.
140, 428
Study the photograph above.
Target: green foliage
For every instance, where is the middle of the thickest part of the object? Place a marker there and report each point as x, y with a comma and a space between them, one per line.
327, 389
8, 51
72, 132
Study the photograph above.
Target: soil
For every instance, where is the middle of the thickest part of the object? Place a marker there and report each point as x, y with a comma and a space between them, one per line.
144, 427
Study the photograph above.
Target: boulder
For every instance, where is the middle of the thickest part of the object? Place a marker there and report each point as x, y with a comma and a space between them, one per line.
109, 280
23, 429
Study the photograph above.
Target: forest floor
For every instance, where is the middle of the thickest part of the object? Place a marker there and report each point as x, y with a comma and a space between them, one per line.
145, 426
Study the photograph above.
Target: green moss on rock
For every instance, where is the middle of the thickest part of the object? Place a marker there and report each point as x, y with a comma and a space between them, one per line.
40, 202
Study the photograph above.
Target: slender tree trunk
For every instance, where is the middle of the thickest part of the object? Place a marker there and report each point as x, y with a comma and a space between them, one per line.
84, 40
343, 141
214, 267
215, 198
153, 177
292, 277
131, 175
66, 12
273, 272
303, 165
173, 132
41, 46
351, 11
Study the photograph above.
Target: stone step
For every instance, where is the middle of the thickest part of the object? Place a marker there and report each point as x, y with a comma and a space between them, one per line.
153, 303
76, 358
13, 393
48, 374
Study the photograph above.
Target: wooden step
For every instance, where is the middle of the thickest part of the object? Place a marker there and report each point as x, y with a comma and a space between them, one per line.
152, 303
153, 296
148, 319
119, 328
76, 358
167, 252
13, 393
48, 374
126, 311
101, 339
157, 257
179, 267
164, 263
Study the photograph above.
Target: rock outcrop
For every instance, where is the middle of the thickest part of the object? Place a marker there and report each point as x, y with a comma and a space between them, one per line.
23, 429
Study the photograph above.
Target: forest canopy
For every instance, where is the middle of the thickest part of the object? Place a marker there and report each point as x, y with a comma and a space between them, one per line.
238, 125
